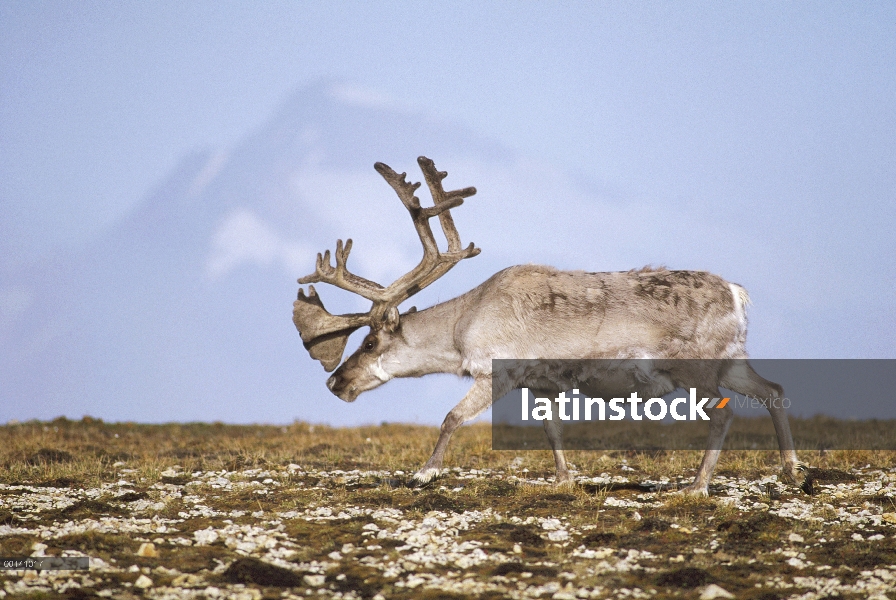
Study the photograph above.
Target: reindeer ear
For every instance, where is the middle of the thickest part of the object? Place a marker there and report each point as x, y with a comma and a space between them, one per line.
324, 335
328, 348
392, 320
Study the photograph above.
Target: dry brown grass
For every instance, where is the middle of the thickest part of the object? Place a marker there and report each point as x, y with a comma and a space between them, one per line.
85, 450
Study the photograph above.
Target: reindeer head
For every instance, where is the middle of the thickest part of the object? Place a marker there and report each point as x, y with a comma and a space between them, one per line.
325, 335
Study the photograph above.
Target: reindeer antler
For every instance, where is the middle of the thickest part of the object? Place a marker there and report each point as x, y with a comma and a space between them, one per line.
325, 335
340, 275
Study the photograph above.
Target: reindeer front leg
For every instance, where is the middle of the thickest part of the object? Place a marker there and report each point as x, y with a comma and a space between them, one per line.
553, 428
474, 403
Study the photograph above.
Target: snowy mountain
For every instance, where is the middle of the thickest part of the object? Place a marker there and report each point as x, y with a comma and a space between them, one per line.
182, 311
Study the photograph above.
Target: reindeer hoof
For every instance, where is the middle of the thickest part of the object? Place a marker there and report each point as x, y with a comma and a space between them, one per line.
564, 480
694, 490
424, 477
800, 476
808, 486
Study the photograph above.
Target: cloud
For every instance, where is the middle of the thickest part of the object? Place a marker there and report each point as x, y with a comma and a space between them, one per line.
355, 95
525, 211
358, 205
208, 173
245, 239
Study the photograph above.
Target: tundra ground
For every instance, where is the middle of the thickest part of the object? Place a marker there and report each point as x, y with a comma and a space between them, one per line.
210, 510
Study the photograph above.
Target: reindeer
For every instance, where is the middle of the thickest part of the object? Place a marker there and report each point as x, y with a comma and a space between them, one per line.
530, 312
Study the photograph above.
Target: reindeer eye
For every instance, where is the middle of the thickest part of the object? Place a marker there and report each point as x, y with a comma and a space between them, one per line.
369, 345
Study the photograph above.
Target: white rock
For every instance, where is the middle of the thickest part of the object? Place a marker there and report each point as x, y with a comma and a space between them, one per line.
147, 550
314, 580
143, 582
558, 535
796, 538
713, 591
204, 537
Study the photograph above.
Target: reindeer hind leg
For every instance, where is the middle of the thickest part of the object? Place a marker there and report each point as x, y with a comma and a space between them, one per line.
553, 428
741, 378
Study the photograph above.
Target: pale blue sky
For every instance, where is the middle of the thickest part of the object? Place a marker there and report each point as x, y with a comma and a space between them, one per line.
753, 139
721, 102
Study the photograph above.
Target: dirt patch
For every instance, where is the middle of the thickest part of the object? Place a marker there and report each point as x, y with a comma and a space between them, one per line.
435, 501
363, 581
524, 535
16, 545
79, 594
502, 537
831, 476
8, 518
600, 539
686, 577
95, 542
57, 482
49, 456
596, 488
132, 496
196, 559
373, 497
652, 524
509, 568
87, 509
760, 529
181, 479
253, 571
318, 539
857, 555
498, 489
432, 594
